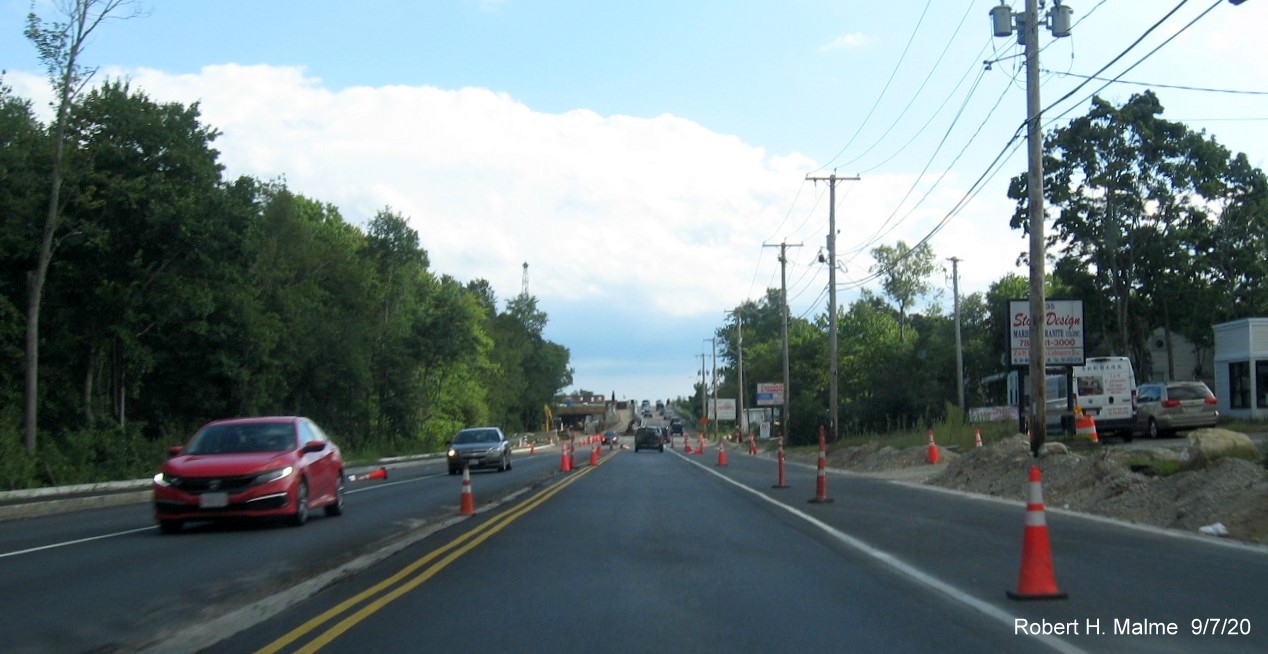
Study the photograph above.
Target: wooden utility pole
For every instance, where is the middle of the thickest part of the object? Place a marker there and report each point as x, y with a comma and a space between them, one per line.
783, 326
832, 297
959, 347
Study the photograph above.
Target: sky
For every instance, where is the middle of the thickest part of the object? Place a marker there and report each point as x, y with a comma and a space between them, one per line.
645, 159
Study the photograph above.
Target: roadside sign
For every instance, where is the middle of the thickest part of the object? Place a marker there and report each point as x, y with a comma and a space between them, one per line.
1062, 331
770, 395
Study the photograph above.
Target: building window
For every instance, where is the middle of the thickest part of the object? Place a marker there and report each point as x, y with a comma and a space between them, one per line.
1239, 385
1261, 384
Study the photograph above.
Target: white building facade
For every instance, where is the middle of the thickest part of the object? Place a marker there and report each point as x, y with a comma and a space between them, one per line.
1241, 368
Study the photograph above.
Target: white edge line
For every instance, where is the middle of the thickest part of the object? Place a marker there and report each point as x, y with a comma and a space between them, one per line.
899, 566
54, 546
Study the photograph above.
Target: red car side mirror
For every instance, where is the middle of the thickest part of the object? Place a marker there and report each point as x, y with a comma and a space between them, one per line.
314, 446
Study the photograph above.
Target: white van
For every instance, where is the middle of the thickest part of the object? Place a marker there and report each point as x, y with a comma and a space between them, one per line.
1105, 387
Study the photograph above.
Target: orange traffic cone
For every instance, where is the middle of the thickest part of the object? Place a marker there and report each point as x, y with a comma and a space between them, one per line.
932, 457
564, 461
977, 439
821, 482
700, 449
594, 455
1085, 427
381, 473
781, 483
532, 449
1036, 580
466, 505
721, 453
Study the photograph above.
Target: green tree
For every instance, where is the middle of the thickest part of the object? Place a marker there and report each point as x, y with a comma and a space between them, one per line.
23, 167
136, 260
60, 46
904, 272
1135, 197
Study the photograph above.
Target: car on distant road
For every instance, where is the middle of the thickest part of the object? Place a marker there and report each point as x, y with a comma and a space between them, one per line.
675, 426
1163, 408
479, 447
610, 438
266, 467
648, 438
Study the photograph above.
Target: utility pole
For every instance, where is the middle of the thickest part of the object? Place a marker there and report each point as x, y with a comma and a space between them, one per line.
704, 389
714, 343
739, 365
832, 297
959, 348
783, 326
1058, 22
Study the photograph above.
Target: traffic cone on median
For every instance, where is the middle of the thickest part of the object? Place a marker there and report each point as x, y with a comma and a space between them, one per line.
932, 456
381, 473
1085, 427
466, 504
1036, 580
781, 483
821, 482
594, 455
721, 453
977, 439
700, 449
564, 461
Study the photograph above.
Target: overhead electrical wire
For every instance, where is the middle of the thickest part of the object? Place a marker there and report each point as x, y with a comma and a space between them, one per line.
912, 101
1009, 148
976, 188
1159, 86
1120, 55
884, 90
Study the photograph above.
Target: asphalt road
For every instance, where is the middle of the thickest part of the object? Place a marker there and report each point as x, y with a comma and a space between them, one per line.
643, 552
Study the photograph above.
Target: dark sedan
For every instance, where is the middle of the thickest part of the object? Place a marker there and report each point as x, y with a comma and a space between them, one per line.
648, 438
479, 447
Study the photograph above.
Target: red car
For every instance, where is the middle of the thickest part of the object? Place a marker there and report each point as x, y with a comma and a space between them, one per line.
250, 467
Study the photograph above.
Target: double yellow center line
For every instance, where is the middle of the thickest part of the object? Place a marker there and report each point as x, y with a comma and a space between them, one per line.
379, 595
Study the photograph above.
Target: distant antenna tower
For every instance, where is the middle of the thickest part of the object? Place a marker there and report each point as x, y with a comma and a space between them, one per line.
524, 284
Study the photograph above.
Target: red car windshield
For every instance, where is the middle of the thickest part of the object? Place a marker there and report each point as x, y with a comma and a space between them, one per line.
243, 437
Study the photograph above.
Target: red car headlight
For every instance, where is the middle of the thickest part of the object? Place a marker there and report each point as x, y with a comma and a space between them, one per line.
273, 475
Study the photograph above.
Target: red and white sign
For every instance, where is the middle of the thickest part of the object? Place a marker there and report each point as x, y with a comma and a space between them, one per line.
1063, 331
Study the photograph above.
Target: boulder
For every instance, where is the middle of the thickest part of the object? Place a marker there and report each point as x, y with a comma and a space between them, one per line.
1208, 445
1054, 449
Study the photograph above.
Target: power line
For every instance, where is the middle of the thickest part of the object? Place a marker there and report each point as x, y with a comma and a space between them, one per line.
892, 75
1120, 55
1160, 86
1138, 62
912, 101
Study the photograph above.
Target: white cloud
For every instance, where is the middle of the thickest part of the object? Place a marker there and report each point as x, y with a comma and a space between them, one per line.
602, 207
853, 40
660, 213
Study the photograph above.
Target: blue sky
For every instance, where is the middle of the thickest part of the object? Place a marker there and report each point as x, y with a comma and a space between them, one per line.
638, 155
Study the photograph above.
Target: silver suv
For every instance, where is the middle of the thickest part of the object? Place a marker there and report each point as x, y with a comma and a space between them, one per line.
1163, 408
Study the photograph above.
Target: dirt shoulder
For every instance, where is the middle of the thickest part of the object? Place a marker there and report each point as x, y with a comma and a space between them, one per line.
1105, 481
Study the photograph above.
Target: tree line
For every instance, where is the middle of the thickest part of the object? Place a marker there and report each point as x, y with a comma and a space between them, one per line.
1154, 225
174, 295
